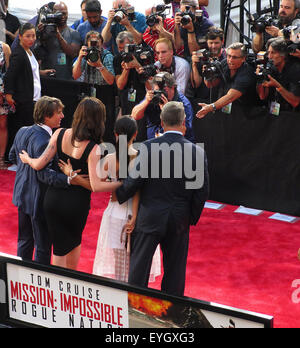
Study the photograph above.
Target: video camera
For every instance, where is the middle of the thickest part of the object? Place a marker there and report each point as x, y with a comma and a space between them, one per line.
188, 16
292, 36
143, 56
266, 67
93, 53
121, 13
213, 67
50, 20
160, 11
161, 82
260, 23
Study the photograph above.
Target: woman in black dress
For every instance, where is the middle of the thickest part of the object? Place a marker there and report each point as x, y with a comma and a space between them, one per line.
67, 210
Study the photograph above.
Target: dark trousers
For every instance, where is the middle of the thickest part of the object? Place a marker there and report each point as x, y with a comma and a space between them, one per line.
174, 247
33, 235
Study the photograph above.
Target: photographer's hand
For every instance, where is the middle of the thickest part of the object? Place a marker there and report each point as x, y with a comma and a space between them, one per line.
10, 100
83, 52
272, 83
273, 31
296, 54
164, 101
149, 96
206, 108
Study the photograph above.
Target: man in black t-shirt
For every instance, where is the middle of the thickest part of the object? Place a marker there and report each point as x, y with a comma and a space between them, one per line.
282, 92
237, 83
131, 87
12, 25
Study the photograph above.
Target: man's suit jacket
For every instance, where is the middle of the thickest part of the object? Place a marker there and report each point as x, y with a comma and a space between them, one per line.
163, 200
30, 185
18, 79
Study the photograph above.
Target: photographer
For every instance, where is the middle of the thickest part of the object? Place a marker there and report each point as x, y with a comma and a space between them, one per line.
237, 84
283, 90
160, 27
216, 51
176, 66
94, 64
164, 90
123, 18
190, 27
94, 22
176, 6
288, 15
131, 87
58, 44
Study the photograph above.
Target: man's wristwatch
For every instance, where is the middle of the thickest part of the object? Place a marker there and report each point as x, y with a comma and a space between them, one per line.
214, 107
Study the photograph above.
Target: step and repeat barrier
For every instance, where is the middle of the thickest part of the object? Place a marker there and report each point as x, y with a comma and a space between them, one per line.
32, 295
253, 158
72, 92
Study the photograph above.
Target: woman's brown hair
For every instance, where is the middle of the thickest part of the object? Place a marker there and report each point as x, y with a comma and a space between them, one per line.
89, 121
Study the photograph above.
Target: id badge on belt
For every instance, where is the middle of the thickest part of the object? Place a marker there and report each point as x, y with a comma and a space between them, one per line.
275, 109
132, 95
61, 59
227, 109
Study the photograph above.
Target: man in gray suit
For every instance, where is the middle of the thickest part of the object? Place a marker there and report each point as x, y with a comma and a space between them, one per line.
30, 185
172, 177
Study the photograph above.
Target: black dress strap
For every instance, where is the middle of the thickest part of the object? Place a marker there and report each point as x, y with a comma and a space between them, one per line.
87, 151
59, 141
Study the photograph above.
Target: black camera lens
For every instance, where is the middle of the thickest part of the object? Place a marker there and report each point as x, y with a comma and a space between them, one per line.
93, 54
185, 20
152, 20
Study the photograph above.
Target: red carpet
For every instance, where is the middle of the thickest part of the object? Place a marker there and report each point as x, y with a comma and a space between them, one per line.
236, 260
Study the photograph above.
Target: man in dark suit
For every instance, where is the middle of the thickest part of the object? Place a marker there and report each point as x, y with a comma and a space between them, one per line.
30, 185
172, 178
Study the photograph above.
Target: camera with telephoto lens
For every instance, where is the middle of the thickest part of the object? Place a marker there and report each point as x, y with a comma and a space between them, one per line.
93, 53
212, 70
159, 12
212, 66
260, 23
266, 68
291, 35
129, 53
50, 20
161, 82
143, 56
121, 13
188, 16
204, 55
146, 59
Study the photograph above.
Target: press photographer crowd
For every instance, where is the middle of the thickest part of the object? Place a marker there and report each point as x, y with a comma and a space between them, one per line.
128, 49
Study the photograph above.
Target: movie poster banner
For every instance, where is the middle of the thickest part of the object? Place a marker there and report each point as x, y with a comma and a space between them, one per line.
57, 298
52, 301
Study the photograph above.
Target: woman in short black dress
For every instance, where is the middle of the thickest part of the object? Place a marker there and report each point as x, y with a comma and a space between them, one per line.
67, 210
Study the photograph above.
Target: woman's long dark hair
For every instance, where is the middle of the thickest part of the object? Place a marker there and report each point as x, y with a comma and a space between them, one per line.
125, 125
89, 121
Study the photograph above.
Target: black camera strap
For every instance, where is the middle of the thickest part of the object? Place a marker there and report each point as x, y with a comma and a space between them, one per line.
171, 70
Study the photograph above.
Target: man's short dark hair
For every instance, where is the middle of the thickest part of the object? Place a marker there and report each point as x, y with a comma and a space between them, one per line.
214, 33
279, 45
93, 6
46, 107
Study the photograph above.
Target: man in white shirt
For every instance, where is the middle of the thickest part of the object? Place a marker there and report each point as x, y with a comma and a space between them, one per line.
176, 66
